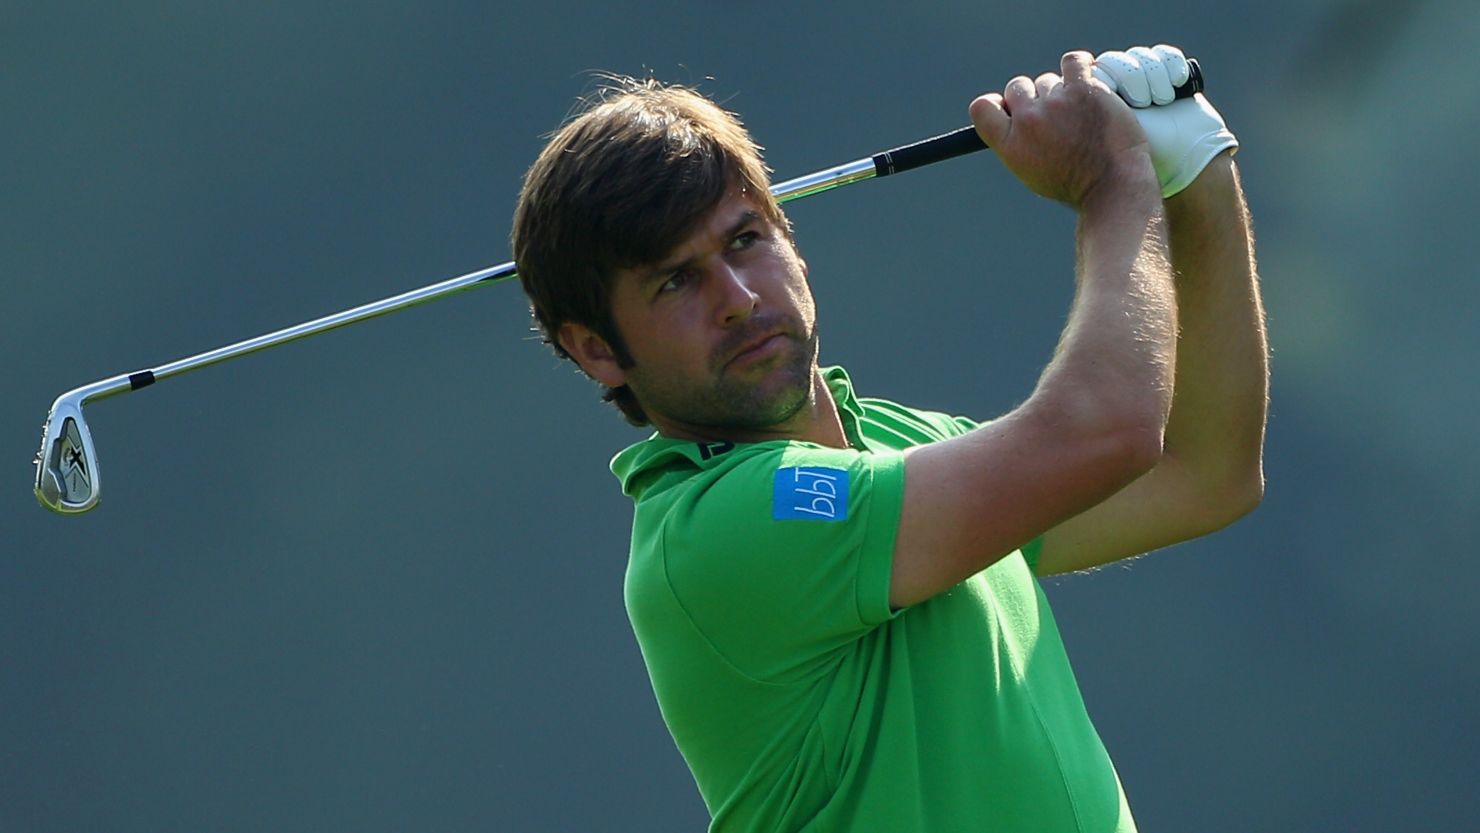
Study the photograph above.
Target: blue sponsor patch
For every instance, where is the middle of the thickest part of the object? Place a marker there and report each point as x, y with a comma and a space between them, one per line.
809, 493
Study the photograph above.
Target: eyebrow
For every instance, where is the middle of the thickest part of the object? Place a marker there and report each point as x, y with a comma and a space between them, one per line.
748, 217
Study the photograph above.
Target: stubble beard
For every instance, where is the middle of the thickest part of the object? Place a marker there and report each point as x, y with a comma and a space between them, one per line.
743, 398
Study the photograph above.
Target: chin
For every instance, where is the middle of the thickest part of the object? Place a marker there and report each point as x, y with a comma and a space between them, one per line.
784, 394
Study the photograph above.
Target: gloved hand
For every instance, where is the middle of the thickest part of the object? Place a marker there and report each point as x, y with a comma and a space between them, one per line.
1185, 134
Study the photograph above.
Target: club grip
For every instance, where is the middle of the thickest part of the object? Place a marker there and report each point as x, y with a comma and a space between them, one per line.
966, 140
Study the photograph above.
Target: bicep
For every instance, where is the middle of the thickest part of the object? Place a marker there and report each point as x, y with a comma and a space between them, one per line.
970, 500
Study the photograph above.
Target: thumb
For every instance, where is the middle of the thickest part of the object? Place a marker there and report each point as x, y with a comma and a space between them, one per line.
990, 119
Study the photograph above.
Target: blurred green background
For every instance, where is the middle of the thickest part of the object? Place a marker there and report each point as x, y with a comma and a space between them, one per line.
372, 581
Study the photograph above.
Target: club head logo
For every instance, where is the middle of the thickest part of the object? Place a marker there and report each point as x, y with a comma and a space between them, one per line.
72, 468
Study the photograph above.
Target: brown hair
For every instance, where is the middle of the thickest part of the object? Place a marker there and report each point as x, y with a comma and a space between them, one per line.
620, 186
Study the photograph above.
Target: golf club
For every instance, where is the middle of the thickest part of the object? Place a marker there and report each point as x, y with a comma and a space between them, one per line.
67, 476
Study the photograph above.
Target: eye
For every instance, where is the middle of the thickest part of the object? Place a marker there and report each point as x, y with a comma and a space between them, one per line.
676, 281
744, 240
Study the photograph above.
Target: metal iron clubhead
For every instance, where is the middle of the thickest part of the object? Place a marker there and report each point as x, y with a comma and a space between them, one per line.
67, 464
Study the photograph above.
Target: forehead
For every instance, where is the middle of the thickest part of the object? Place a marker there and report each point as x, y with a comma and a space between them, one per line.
734, 208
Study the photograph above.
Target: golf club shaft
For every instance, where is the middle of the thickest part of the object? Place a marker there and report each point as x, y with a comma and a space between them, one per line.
67, 476
895, 160
884, 163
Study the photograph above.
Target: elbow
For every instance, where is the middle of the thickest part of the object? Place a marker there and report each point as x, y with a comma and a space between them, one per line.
1123, 449
1137, 424
1230, 498
1116, 438
1144, 440
1237, 488
1138, 428
1246, 495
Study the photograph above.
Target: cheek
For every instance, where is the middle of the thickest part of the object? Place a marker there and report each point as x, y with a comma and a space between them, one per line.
801, 295
666, 340
797, 286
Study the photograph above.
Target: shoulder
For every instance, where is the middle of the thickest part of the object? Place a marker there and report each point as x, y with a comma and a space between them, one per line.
884, 419
780, 546
751, 491
768, 504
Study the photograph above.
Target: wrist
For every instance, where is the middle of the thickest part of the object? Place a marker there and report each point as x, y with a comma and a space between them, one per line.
1128, 187
1215, 183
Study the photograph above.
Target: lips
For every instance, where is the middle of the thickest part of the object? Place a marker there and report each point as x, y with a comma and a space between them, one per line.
757, 347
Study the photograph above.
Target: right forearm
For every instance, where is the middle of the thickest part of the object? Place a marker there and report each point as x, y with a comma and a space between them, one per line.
1108, 389
1115, 361
1097, 420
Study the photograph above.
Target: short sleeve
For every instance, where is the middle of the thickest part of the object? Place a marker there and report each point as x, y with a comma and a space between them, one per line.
785, 557
1030, 553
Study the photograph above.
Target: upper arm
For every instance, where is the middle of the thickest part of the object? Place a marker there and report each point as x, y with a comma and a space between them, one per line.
785, 558
970, 500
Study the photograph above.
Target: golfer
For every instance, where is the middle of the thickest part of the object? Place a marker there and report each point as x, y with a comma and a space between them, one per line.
835, 595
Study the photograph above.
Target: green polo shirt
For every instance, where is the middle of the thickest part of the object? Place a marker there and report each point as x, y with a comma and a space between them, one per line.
758, 588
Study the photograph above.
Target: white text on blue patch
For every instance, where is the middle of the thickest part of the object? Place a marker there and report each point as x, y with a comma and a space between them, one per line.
810, 493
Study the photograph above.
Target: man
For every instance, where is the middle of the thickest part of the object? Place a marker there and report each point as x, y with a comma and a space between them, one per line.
835, 595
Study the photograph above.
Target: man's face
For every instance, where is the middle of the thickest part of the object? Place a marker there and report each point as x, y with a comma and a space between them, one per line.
722, 331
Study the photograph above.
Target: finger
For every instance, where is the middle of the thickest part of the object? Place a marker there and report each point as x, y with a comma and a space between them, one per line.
1156, 74
1018, 92
1175, 62
1076, 66
1130, 81
990, 118
1047, 83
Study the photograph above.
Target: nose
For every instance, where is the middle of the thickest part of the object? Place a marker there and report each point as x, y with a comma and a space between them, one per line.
735, 300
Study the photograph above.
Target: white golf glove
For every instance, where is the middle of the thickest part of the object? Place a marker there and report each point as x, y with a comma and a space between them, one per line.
1185, 134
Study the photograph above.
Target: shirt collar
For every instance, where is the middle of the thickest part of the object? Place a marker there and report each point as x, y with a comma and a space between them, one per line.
642, 463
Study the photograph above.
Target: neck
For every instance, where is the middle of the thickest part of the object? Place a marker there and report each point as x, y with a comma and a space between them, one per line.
817, 421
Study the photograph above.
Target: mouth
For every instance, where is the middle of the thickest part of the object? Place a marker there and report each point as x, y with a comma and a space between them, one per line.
757, 349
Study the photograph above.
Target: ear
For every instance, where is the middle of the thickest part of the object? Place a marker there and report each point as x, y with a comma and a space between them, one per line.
592, 353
